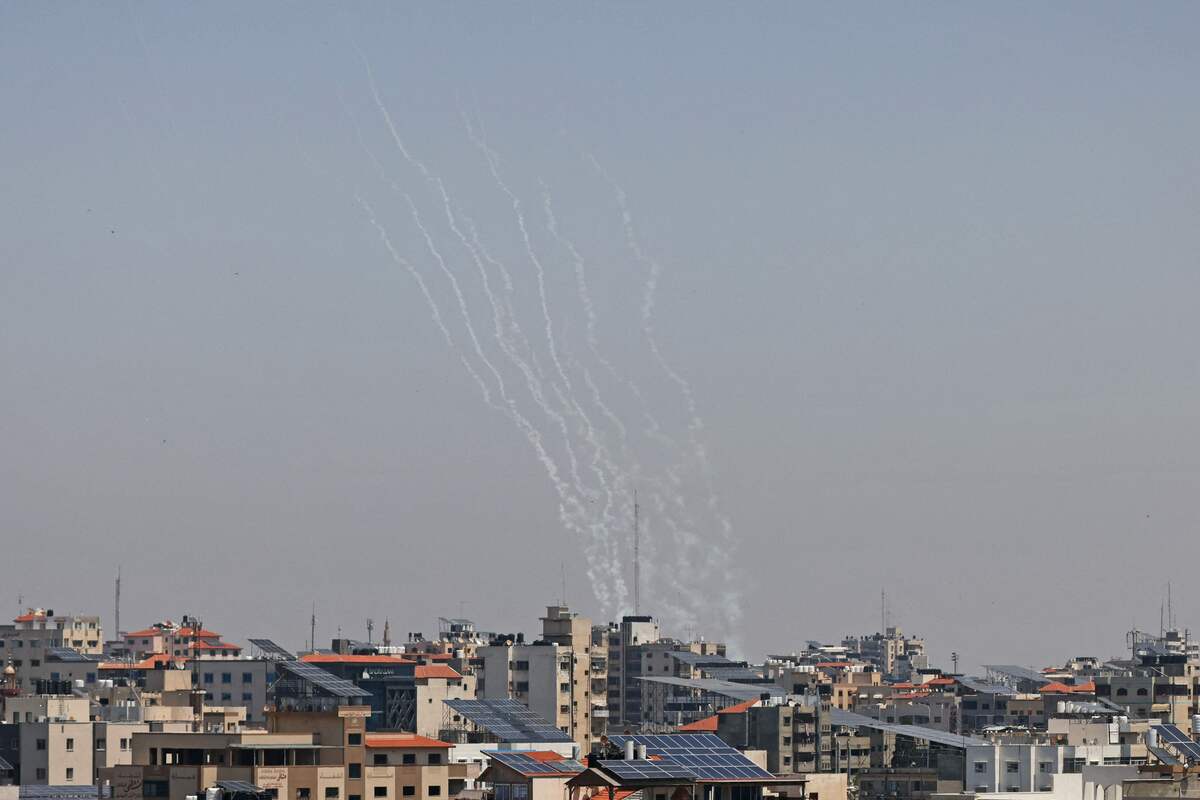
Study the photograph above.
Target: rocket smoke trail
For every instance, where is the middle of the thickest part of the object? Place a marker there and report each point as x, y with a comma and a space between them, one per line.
566, 499
600, 461
718, 556
540, 275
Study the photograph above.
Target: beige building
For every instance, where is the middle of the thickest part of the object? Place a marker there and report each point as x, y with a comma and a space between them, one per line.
551, 676
303, 755
25, 643
437, 683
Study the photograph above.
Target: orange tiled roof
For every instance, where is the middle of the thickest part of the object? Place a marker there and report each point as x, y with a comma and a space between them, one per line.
216, 646
145, 633
1061, 688
187, 633
706, 725
337, 658
709, 724
31, 617
436, 671
406, 740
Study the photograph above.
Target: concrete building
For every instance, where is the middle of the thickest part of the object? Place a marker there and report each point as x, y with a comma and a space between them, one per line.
625, 641
893, 653
25, 643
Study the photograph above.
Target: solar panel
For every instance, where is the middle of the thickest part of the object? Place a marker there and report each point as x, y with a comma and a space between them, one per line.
68, 654
526, 764
508, 720
269, 648
1179, 741
704, 754
638, 769
5, 766
323, 680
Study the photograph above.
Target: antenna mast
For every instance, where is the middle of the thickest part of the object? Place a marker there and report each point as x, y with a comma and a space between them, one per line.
637, 556
312, 628
117, 633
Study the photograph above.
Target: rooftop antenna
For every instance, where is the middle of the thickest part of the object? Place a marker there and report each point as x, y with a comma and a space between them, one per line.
117, 634
1170, 615
637, 556
883, 611
312, 628
563, 568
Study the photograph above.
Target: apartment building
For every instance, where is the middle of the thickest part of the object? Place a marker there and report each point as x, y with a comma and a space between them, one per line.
186, 639
625, 641
27, 643
235, 682
891, 651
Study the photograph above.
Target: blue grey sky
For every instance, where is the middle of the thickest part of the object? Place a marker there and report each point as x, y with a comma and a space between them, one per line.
929, 271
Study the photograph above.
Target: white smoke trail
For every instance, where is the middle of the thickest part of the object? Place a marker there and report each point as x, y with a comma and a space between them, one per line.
718, 560
566, 499
599, 533
569, 396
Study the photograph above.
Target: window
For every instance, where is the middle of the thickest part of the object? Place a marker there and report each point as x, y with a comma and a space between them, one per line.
435, 758
41, 774
302, 793
787, 740
381, 791
1141, 692
353, 739
247, 677
1012, 766
408, 758
381, 759
409, 791
100, 744
331, 792
1044, 766
434, 791
40, 744
70, 745
70, 773
355, 771
226, 677
124, 744
208, 677
980, 766
247, 697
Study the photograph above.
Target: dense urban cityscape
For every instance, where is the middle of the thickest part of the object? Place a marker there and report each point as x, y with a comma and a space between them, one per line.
615, 710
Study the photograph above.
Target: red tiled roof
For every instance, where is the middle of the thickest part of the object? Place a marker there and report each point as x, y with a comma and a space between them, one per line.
436, 671
709, 724
337, 658
404, 740
145, 633
706, 725
1055, 687
187, 633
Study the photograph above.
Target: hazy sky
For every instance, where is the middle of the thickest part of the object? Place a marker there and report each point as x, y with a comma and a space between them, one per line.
928, 270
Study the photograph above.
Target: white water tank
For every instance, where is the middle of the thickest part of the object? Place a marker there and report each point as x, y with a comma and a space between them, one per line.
1152, 737
629, 749
1062, 706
